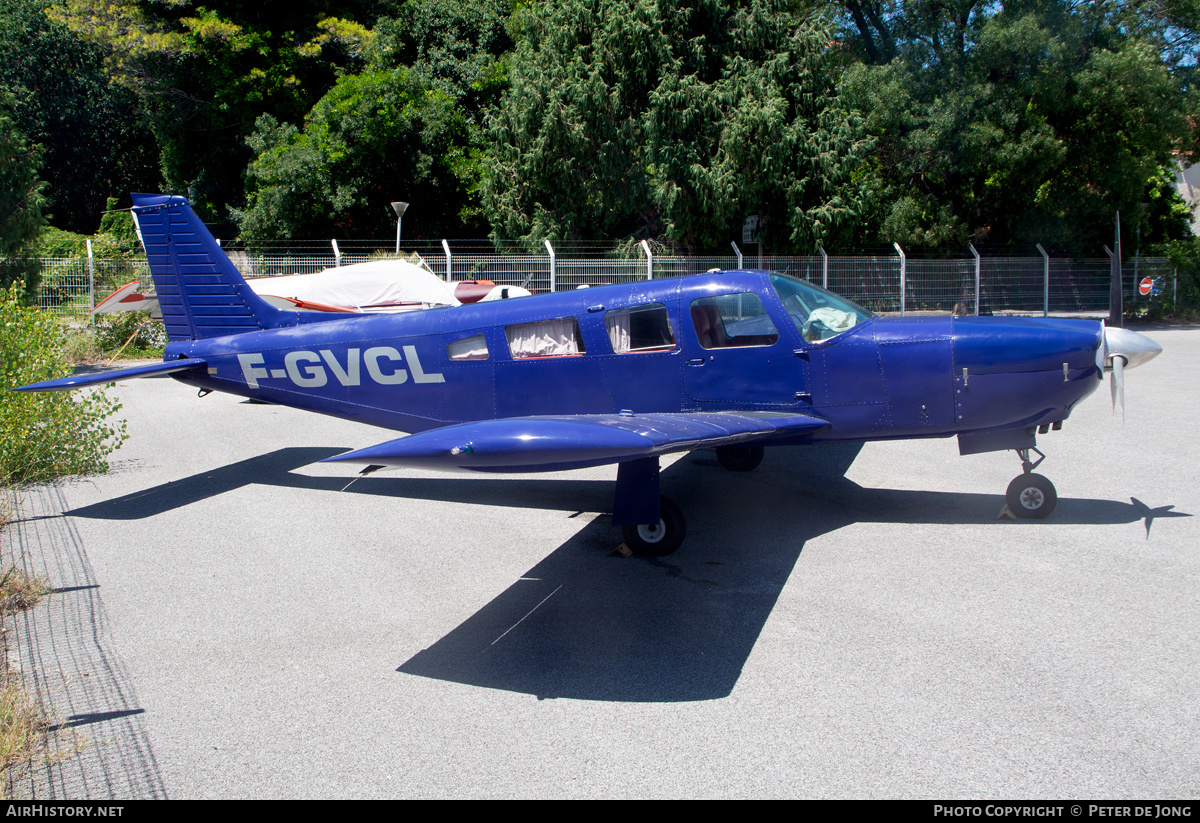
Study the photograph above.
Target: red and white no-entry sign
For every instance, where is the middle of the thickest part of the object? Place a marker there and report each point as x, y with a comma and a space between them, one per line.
1146, 286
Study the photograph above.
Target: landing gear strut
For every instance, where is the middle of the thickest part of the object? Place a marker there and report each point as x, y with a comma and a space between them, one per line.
652, 525
1030, 496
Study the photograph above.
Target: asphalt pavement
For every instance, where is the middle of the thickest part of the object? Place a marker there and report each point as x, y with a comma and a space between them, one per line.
235, 619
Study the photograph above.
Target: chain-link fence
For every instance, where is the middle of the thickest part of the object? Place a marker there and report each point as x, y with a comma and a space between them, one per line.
882, 283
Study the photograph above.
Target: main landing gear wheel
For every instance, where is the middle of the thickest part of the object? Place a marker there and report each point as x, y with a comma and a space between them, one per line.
1031, 496
740, 458
659, 539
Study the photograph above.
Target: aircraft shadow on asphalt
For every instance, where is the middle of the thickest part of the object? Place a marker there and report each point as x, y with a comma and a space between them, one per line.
585, 623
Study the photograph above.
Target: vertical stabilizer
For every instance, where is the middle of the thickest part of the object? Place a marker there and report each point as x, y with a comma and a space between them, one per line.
201, 292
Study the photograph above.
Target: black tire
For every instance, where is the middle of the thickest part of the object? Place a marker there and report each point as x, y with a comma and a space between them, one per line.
661, 539
740, 458
1031, 497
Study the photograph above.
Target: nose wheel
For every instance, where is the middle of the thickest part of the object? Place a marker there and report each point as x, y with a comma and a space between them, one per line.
1030, 496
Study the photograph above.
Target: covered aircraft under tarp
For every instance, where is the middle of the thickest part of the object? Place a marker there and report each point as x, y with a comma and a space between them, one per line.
373, 287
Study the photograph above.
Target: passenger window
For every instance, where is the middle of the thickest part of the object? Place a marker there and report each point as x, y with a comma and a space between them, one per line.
469, 348
732, 320
639, 328
546, 338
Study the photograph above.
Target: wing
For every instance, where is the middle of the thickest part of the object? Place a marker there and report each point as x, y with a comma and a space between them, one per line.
551, 443
79, 381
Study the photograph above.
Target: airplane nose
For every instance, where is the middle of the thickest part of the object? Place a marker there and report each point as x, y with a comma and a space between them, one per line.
1135, 348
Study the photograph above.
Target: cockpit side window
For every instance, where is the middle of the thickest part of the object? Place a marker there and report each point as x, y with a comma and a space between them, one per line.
818, 314
640, 328
732, 320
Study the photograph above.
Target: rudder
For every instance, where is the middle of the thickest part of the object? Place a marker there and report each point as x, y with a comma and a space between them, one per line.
201, 292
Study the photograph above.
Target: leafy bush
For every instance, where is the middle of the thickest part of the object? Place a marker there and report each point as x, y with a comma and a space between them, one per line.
46, 435
145, 336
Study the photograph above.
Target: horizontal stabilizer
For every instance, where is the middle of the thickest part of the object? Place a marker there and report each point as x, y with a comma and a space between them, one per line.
79, 381
571, 442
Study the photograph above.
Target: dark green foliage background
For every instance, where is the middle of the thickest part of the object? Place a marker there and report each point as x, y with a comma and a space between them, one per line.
847, 123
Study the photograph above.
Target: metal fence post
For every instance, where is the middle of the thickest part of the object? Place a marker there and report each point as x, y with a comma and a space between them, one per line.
449, 261
903, 272
736, 251
649, 260
824, 267
972, 245
91, 281
1045, 281
550, 249
337, 255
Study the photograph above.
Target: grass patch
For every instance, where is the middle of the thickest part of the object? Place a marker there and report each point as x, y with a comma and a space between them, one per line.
19, 591
25, 733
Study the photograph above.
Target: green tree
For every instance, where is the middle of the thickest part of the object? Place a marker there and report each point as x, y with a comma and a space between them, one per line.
375, 137
1017, 123
95, 142
46, 435
205, 74
21, 204
21, 190
456, 47
678, 121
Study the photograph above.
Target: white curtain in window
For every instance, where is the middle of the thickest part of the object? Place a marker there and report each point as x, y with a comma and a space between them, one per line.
548, 338
469, 348
618, 331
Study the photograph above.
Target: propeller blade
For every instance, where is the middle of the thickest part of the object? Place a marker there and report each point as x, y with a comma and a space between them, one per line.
1122, 349
1117, 383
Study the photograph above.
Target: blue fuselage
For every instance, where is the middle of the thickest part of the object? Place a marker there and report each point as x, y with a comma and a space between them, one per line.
883, 378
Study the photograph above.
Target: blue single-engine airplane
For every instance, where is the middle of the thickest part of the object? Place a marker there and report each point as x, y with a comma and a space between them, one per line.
624, 374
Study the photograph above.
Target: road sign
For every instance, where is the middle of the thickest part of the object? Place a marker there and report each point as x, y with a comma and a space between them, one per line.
750, 229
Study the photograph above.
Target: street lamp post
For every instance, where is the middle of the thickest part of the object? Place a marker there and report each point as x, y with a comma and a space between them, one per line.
399, 208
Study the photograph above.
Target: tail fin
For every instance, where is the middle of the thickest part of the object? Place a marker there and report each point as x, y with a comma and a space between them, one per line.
200, 291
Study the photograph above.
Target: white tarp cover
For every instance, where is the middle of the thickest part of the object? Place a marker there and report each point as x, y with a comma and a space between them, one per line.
379, 285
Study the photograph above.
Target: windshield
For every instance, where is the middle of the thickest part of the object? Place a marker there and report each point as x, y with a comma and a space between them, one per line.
818, 314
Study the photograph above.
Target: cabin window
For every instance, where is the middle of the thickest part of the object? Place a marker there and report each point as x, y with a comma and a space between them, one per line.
640, 328
469, 348
732, 320
546, 338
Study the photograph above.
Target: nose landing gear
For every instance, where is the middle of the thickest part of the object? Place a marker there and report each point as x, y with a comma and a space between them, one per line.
1030, 496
